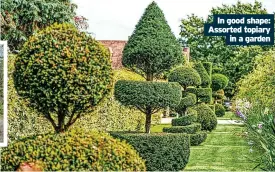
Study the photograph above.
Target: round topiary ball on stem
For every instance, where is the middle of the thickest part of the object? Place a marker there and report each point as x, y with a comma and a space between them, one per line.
63, 73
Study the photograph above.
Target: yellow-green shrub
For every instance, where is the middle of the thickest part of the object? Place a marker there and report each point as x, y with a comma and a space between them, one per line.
75, 150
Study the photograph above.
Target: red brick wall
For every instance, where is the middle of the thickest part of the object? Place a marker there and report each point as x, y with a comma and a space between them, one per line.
116, 48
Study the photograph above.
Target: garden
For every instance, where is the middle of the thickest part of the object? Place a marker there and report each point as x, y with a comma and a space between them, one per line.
68, 110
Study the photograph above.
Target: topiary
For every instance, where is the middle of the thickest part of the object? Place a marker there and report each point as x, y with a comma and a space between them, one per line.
184, 120
219, 81
63, 73
188, 129
189, 99
72, 151
204, 95
219, 110
162, 151
208, 67
206, 117
205, 78
185, 76
197, 138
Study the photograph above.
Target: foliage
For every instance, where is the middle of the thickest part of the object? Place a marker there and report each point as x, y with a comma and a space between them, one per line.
72, 151
205, 78
162, 151
21, 18
208, 67
63, 73
259, 84
189, 99
143, 93
184, 120
197, 138
152, 48
219, 81
188, 129
204, 95
206, 117
219, 110
260, 125
235, 61
185, 76
218, 94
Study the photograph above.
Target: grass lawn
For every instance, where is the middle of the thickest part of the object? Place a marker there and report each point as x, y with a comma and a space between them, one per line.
225, 149
230, 116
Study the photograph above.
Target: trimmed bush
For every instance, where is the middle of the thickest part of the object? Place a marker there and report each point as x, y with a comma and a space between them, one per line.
191, 111
218, 94
73, 150
189, 99
206, 117
162, 151
212, 107
192, 90
184, 120
204, 95
208, 67
219, 110
63, 72
189, 129
197, 138
205, 78
219, 81
144, 93
185, 76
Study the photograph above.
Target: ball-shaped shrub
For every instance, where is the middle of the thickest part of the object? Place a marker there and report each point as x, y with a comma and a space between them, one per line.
219, 81
189, 99
63, 71
219, 110
74, 150
185, 76
206, 117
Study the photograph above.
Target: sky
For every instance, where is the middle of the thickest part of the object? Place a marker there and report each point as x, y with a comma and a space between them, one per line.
116, 19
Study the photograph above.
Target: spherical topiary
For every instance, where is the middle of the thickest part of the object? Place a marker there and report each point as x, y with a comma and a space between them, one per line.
64, 72
74, 150
185, 76
219, 81
206, 117
188, 99
219, 110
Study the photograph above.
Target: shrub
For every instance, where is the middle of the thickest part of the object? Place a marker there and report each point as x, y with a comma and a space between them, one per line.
204, 95
206, 117
219, 110
218, 94
185, 76
188, 129
147, 96
162, 151
192, 90
197, 138
205, 78
70, 81
189, 99
184, 120
191, 111
73, 151
208, 67
219, 81
152, 48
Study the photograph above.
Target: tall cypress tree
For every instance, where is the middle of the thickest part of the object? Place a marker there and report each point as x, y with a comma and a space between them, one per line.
152, 48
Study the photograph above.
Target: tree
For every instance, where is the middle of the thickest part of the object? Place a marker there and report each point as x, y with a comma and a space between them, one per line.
152, 49
63, 73
19, 19
235, 61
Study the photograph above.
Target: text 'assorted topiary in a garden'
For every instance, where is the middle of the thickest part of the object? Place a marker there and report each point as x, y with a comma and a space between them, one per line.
63, 73
152, 49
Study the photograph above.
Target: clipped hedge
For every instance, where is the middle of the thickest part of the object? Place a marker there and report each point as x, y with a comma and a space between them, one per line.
74, 150
189, 129
185, 76
205, 78
206, 117
188, 99
197, 138
219, 81
204, 95
219, 110
162, 151
184, 120
144, 93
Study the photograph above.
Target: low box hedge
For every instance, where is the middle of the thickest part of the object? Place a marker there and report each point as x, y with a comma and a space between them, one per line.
162, 151
184, 120
197, 138
189, 129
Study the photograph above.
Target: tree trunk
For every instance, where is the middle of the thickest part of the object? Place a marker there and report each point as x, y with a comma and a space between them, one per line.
149, 77
148, 119
61, 125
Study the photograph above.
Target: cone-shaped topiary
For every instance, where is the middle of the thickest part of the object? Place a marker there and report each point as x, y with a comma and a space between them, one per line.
152, 48
205, 78
64, 73
219, 81
185, 76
